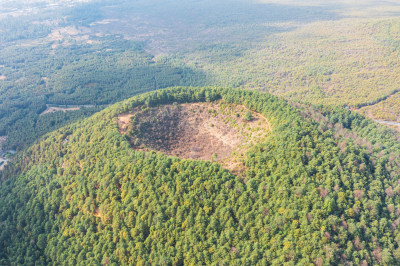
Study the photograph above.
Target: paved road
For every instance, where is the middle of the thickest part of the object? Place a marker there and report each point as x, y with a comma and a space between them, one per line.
388, 122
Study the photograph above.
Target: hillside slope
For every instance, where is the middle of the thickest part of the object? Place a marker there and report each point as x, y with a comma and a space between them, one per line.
321, 188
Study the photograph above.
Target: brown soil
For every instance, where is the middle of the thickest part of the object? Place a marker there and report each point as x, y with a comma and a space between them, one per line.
91, 84
204, 131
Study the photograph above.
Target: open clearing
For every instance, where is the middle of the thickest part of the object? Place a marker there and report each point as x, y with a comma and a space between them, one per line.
2, 139
202, 131
57, 109
3, 160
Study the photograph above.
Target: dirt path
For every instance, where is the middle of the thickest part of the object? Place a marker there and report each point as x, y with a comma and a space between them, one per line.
395, 125
385, 111
388, 123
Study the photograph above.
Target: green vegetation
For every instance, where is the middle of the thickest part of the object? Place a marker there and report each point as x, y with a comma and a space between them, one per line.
248, 116
203, 131
351, 62
303, 52
109, 70
321, 189
387, 109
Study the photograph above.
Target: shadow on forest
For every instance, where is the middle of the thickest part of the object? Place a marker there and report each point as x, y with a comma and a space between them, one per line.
173, 25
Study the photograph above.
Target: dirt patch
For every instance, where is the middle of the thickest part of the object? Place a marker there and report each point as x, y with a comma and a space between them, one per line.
57, 109
61, 33
3, 159
90, 85
204, 131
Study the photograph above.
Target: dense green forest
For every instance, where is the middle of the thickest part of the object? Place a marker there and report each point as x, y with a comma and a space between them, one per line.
322, 189
107, 71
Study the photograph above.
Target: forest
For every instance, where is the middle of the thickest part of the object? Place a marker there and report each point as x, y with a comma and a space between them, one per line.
96, 74
101, 53
321, 189
348, 62
103, 101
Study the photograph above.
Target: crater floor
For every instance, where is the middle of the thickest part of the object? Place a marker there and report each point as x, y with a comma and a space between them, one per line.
205, 131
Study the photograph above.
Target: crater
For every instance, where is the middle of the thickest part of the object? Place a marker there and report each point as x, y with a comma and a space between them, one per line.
216, 131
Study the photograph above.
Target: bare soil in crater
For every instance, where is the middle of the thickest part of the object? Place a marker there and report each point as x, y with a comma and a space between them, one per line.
203, 131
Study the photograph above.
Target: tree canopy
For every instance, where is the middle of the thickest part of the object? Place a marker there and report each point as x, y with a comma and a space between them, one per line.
322, 188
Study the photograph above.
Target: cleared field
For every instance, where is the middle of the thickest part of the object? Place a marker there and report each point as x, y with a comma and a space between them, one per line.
58, 109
